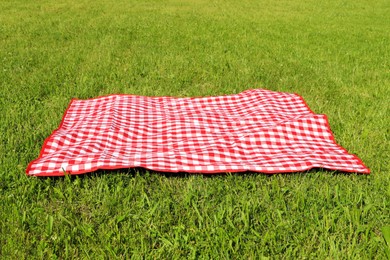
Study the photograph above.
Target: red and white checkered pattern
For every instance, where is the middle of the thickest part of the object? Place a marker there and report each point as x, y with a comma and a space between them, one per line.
256, 130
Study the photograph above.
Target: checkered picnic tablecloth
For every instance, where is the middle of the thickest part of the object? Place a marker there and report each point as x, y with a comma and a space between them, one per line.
256, 130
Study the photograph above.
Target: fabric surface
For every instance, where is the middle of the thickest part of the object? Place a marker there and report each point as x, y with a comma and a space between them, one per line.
256, 130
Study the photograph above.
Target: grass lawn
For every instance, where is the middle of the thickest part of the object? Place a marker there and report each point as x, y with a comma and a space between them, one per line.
336, 54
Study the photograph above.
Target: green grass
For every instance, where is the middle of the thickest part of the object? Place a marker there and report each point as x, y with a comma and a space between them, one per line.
336, 54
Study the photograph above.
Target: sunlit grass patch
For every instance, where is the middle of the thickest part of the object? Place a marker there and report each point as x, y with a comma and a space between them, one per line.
336, 55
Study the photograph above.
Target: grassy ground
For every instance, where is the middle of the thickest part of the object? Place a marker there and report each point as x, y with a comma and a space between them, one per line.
336, 54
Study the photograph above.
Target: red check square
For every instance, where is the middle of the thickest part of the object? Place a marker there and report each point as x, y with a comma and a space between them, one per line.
256, 130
